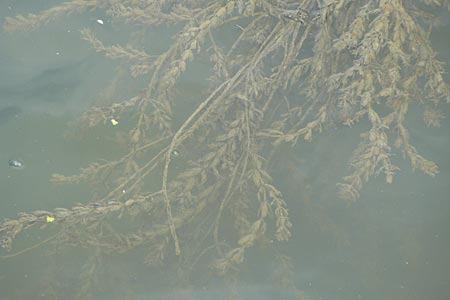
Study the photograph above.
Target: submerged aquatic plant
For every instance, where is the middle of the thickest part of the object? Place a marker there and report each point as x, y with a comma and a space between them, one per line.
292, 70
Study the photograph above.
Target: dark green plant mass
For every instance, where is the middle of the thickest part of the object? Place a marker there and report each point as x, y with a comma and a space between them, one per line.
291, 70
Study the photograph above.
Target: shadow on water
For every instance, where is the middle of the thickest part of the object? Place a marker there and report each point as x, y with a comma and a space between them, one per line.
49, 91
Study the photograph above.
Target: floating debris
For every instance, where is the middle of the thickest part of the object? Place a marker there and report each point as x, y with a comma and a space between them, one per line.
16, 164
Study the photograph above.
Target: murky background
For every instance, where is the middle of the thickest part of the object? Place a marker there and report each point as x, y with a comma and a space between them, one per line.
391, 244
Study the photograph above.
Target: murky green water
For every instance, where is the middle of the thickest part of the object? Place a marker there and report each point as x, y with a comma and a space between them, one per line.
391, 244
